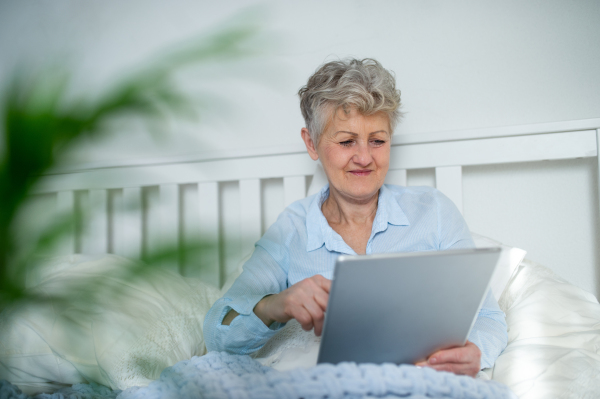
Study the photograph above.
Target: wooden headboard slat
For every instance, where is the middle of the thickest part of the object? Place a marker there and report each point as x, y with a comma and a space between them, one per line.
448, 179
128, 224
209, 209
250, 214
294, 188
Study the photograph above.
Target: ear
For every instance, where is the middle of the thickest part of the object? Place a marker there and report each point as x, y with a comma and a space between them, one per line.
310, 145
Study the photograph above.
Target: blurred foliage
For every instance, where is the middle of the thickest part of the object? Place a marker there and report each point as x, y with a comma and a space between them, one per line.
42, 119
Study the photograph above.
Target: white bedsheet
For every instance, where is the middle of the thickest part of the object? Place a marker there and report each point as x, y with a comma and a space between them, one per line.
554, 337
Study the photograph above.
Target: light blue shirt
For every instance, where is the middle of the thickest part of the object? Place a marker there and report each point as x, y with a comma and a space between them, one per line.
301, 244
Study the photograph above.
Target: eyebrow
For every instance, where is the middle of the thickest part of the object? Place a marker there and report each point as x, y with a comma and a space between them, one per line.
356, 134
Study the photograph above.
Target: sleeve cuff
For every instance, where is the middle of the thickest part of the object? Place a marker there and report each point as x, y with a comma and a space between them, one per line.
246, 329
251, 321
255, 325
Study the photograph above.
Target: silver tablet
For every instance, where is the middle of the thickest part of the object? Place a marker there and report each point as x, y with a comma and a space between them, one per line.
402, 307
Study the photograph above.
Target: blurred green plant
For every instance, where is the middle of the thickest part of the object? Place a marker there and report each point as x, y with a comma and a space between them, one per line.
42, 119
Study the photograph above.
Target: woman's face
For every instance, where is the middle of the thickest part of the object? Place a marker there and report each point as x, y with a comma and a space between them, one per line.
355, 152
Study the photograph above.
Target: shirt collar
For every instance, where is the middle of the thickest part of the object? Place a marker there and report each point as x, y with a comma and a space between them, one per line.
320, 233
388, 210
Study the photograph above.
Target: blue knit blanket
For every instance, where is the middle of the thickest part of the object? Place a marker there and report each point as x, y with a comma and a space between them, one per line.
221, 375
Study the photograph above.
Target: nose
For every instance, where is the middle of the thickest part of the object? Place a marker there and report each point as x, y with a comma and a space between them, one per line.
362, 157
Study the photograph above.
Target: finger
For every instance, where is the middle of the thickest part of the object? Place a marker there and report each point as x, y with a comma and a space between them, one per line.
304, 318
321, 298
315, 310
454, 355
466, 354
323, 282
316, 314
318, 326
311, 290
461, 360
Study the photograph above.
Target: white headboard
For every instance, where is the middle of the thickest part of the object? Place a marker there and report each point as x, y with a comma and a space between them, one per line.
231, 197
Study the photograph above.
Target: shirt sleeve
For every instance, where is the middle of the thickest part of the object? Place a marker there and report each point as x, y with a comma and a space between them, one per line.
261, 276
489, 332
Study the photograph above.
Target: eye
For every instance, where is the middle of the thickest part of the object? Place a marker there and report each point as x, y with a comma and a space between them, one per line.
346, 143
378, 143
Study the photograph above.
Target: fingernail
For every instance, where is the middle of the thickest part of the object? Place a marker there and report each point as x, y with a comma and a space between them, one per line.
433, 360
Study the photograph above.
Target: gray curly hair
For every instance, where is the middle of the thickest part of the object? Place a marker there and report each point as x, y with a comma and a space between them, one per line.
364, 85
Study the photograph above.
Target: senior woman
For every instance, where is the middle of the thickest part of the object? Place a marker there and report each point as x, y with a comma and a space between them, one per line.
351, 108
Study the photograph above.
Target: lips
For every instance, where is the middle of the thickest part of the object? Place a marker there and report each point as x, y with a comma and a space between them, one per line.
359, 173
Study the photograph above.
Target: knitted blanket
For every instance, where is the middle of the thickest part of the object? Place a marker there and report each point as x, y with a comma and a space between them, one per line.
221, 375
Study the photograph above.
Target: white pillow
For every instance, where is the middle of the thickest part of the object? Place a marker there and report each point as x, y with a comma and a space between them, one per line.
553, 337
124, 340
510, 257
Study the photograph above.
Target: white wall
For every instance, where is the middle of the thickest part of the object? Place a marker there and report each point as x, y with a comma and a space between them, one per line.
459, 64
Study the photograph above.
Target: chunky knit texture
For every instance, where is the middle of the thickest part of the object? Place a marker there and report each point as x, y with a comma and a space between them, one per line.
221, 375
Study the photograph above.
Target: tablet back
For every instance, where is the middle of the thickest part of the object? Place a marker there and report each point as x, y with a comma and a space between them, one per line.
400, 308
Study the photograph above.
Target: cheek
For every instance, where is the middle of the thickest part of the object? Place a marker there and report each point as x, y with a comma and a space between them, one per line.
382, 157
336, 157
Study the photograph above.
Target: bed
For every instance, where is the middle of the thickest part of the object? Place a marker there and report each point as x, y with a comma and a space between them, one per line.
228, 200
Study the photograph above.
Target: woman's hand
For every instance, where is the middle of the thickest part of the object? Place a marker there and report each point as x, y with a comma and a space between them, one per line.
305, 301
462, 360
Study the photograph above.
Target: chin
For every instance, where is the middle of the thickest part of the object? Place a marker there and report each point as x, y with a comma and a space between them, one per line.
358, 189
363, 193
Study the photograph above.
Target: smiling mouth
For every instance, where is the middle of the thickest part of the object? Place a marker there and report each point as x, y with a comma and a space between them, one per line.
361, 172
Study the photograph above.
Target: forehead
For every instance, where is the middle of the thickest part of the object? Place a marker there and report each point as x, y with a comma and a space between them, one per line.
353, 121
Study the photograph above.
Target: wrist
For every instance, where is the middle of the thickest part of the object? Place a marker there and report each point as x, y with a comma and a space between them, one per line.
261, 311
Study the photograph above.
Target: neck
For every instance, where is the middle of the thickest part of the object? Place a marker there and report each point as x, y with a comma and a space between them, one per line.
339, 209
